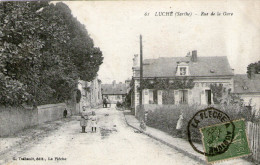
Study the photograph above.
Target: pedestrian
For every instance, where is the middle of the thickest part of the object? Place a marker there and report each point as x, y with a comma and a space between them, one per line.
179, 125
93, 122
65, 112
84, 120
104, 103
108, 102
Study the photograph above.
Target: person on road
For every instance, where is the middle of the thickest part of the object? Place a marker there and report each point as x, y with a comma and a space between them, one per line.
84, 120
93, 122
65, 112
104, 103
179, 125
108, 102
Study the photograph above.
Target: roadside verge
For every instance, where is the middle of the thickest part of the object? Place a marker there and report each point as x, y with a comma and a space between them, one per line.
178, 144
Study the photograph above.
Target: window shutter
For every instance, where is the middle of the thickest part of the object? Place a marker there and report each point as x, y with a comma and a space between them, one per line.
176, 97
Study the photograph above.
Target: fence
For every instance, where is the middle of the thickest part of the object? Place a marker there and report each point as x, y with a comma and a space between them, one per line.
253, 131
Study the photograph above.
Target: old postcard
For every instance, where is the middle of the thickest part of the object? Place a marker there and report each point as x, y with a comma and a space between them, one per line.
129, 82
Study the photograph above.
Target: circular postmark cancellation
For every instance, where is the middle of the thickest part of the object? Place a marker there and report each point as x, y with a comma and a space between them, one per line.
218, 139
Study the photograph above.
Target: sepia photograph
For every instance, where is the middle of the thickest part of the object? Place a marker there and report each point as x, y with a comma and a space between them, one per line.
130, 82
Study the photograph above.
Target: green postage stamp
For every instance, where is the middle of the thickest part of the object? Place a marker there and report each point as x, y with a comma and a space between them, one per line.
220, 137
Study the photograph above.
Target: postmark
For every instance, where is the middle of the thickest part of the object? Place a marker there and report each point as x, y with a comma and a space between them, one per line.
214, 140
207, 117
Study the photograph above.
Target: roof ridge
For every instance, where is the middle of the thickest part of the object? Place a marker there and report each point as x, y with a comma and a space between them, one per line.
182, 57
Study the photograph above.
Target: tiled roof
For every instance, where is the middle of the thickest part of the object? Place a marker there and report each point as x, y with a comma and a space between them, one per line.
243, 85
113, 89
205, 66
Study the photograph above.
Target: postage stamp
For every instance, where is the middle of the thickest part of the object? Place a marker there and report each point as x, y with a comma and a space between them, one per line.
217, 138
205, 118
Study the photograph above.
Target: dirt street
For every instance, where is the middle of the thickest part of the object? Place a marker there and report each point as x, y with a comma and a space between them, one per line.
114, 143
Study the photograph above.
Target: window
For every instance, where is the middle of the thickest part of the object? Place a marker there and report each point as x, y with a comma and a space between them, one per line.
150, 97
153, 97
183, 94
183, 71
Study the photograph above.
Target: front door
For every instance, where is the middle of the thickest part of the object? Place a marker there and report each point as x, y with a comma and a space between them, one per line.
155, 97
208, 97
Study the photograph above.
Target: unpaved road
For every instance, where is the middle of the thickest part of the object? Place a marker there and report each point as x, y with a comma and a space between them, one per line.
114, 144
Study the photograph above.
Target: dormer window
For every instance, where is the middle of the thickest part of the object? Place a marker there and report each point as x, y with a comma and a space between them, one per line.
183, 69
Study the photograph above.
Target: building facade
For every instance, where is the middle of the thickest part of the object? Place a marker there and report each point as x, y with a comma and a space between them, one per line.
190, 77
114, 92
94, 96
248, 90
90, 94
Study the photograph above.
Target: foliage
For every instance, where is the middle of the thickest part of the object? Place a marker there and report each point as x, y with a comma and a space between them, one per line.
127, 101
12, 91
255, 66
218, 92
44, 50
165, 117
222, 95
166, 84
168, 96
119, 104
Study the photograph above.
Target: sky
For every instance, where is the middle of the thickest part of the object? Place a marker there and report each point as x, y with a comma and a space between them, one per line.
115, 27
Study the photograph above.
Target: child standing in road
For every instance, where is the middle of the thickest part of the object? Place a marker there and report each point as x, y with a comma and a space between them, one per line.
84, 120
93, 122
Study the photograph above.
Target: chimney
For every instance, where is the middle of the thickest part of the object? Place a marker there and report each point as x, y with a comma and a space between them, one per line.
188, 54
252, 72
194, 56
114, 83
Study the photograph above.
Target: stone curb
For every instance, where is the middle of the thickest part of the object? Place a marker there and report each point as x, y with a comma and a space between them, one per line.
190, 155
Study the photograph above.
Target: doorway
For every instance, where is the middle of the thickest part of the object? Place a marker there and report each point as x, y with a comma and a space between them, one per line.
208, 96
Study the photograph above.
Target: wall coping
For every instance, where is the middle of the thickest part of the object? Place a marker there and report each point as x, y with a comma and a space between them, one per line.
50, 105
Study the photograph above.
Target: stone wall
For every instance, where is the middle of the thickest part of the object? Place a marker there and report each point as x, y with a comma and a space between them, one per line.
14, 119
51, 112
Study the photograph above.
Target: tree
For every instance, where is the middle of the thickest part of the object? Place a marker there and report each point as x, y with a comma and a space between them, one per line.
43, 52
253, 67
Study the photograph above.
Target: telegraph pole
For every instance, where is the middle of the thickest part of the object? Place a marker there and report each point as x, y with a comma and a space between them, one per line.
141, 72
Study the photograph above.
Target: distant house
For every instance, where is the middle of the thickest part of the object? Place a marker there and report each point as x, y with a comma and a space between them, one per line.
114, 92
248, 89
201, 70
